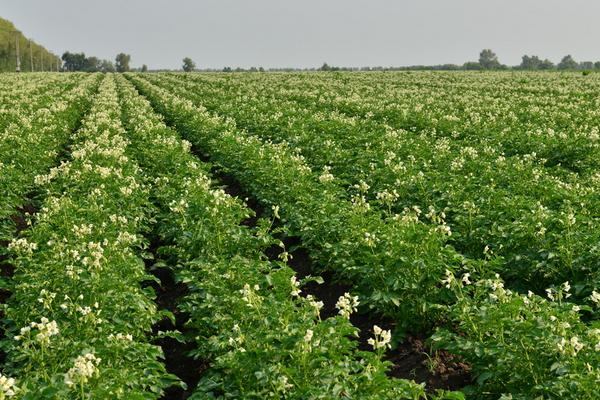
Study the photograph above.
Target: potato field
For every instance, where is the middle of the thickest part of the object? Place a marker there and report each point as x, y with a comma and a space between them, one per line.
359, 236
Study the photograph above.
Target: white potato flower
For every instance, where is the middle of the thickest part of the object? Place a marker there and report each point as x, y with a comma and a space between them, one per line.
347, 304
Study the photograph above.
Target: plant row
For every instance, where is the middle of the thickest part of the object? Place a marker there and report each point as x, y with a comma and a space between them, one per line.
260, 336
513, 207
78, 320
521, 113
32, 145
394, 264
19, 95
518, 344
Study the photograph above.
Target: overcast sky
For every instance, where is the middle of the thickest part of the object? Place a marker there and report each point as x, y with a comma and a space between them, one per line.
305, 33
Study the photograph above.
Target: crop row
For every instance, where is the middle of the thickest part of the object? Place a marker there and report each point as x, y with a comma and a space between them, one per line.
20, 95
553, 115
260, 336
512, 207
384, 259
32, 145
78, 320
396, 266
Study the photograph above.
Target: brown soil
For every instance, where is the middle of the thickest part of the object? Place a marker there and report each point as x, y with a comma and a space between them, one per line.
177, 360
7, 269
19, 220
437, 369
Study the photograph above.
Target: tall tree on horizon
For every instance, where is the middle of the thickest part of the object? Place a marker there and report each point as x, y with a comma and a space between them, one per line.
73, 61
530, 62
567, 63
188, 65
122, 62
488, 59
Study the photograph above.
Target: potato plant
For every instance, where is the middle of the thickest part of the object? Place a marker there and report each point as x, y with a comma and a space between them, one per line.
247, 313
459, 207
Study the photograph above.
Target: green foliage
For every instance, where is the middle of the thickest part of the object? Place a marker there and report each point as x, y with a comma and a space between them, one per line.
383, 258
78, 321
188, 65
522, 345
488, 59
262, 338
483, 194
567, 63
460, 203
122, 62
33, 56
345, 169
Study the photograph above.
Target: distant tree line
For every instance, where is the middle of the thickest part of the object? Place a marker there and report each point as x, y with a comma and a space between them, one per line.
73, 62
488, 60
18, 50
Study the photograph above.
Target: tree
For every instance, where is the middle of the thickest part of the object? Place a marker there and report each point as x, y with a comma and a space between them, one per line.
144, 68
188, 64
92, 64
597, 65
546, 64
532, 62
107, 66
327, 67
567, 63
586, 65
122, 62
488, 59
73, 61
472, 66
79, 62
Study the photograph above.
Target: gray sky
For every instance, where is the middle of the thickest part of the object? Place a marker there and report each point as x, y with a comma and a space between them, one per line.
277, 33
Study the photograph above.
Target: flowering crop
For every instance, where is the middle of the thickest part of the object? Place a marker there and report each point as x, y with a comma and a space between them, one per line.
390, 202
459, 205
483, 188
76, 294
36, 127
384, 259
248, 315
